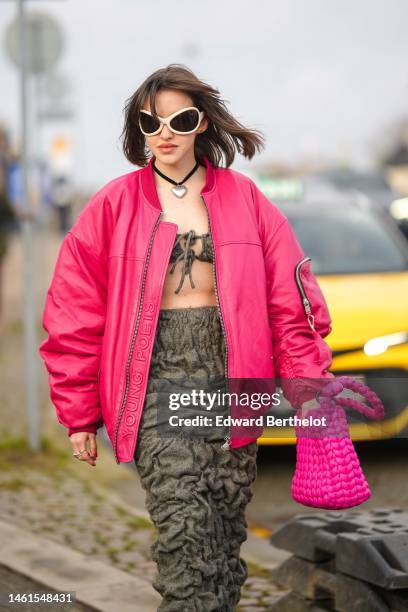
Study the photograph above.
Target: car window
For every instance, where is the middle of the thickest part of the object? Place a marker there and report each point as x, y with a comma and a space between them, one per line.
347, 241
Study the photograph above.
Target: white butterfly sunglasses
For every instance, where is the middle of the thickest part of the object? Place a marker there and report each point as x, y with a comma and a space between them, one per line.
184, 121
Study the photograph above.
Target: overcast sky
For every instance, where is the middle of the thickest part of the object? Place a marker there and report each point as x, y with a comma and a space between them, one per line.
317, 77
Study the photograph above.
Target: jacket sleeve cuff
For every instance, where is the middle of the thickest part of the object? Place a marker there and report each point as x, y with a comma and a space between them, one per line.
90, 429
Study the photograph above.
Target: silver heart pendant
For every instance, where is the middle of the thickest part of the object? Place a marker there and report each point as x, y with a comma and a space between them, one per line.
179, 190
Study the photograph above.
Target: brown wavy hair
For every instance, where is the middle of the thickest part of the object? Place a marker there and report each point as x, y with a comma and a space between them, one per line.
219, 142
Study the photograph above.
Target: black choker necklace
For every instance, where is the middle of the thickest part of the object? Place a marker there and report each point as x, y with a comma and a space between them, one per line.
179, 190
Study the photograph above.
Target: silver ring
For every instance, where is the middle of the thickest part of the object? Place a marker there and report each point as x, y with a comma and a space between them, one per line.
77, 455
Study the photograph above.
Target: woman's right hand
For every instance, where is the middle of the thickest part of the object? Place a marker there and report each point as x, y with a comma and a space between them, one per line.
83, 440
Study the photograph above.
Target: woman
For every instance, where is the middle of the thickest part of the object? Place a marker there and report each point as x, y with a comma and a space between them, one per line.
125, 328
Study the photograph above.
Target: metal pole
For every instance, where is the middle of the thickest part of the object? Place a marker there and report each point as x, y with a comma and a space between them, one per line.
30, 341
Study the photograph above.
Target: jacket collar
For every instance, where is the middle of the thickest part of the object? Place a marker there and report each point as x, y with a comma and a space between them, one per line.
149, 186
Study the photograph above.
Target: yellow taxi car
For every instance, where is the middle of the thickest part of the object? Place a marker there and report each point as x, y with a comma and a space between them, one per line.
360, 259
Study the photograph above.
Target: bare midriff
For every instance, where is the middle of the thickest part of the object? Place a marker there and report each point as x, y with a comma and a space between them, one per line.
186, 269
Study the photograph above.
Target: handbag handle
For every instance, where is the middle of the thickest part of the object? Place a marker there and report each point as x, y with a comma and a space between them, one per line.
334, 387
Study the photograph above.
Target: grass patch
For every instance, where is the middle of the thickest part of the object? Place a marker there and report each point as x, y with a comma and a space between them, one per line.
139, 522
113, 554
100, 539
121, 511
19, 444
135, 522
94, 508
130, 545
257, 570
15, 453
130, 566
13, 484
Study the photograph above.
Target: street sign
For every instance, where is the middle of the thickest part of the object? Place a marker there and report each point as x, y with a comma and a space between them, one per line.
280, 188
44, 42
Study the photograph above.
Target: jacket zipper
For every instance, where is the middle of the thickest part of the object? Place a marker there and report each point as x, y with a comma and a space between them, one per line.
227, 442
305, 301
136, 327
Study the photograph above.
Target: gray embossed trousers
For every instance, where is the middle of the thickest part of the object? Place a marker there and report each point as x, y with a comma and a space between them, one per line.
196, 492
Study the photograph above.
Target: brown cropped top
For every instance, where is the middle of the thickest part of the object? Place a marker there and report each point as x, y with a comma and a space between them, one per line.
187, 254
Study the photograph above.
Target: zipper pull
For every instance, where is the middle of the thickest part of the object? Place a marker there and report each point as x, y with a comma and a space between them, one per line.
307, 306
310, 320
226, 444
308, 311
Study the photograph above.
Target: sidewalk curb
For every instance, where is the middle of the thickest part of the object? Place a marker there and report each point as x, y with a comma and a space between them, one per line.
96, 584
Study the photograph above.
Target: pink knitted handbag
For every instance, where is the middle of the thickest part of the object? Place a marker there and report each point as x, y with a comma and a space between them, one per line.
328, 473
